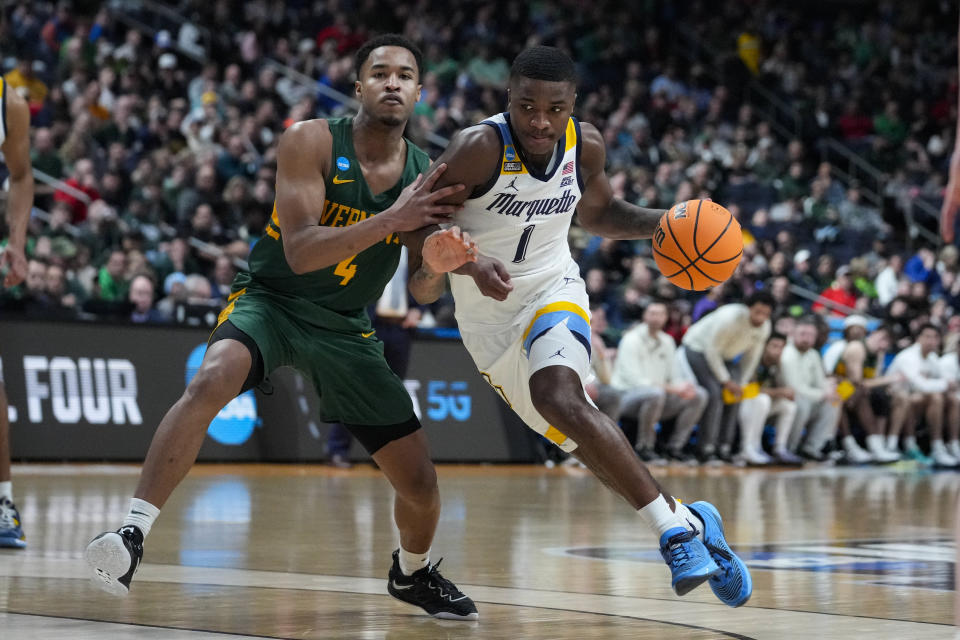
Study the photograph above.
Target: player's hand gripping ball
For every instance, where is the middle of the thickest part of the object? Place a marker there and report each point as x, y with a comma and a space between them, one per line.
697, 244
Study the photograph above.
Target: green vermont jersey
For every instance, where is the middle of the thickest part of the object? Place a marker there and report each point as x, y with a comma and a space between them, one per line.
870, 365
357, 281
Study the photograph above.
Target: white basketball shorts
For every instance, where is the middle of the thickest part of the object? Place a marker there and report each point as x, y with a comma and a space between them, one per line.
553, 331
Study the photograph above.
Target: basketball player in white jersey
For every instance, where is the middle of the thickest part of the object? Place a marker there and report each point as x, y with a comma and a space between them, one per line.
523, 310
15, 145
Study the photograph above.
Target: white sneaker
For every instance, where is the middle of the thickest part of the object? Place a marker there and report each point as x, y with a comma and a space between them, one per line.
941, 456
855, 453
884, 456
879, 453
754, 457
943, 459
953, 448
896, 445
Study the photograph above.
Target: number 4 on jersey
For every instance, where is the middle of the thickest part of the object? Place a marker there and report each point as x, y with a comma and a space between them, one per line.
521, 254
346, 270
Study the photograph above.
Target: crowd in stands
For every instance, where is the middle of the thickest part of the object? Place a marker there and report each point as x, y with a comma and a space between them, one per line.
166, 142
738, 368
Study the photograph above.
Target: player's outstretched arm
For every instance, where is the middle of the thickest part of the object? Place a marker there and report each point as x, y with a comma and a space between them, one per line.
951, 196
433, 253
853, 358
303, 159
599, 211
948, 210
471, 159
16, 151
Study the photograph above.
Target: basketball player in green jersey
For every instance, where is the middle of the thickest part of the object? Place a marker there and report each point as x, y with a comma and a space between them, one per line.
15, 144
347, 190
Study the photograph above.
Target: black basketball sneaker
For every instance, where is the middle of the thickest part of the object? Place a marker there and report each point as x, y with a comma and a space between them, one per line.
430, 591
114, 557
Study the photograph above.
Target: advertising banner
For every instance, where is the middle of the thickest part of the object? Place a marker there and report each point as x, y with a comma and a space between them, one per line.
98, 392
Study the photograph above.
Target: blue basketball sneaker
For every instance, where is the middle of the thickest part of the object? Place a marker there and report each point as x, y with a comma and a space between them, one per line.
733, 584
688, 559
11, 533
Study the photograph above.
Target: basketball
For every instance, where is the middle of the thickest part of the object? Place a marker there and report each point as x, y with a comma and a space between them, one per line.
697, 244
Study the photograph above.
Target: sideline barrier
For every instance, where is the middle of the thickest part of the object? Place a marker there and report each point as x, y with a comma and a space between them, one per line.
98, 392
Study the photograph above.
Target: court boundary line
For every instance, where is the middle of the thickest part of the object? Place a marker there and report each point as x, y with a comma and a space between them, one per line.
574, 593
141, 624
332, 588
555, 551
557, 591
424, 615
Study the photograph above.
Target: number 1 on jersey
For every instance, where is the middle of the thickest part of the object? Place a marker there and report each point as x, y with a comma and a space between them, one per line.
346, 270
521, 254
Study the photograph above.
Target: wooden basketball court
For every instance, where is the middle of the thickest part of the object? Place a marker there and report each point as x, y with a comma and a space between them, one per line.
303, 551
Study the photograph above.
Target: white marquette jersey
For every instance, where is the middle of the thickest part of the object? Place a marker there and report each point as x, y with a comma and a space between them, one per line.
522, 218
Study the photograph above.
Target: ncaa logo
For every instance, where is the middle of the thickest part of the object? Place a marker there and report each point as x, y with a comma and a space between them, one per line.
235, 423
342, 163
509, 153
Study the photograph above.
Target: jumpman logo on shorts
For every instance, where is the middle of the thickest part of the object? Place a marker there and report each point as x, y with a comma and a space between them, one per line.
513, 185
558, 353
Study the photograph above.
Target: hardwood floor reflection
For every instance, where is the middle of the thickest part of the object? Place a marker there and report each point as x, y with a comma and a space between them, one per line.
288, 551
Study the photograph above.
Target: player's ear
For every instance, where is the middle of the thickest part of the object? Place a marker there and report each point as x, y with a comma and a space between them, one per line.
356, 87
508, 98
419, 90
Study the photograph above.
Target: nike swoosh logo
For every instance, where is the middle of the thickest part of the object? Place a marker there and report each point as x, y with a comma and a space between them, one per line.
337, 180
367, 335
401, 586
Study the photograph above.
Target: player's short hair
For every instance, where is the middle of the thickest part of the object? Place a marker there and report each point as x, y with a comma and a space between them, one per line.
776, 335
544, 63
849, 330
388, 40
808, 320
761, 297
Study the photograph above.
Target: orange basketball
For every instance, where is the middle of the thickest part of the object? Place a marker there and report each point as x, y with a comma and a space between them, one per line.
697, 244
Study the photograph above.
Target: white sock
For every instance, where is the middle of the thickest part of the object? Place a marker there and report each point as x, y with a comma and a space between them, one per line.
689, 518
142, 514
6, 490
892, 442
937, 445
910, 443
413, 562
659, 517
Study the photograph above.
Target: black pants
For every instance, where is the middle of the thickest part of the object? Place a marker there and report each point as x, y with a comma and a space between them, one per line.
719, 422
